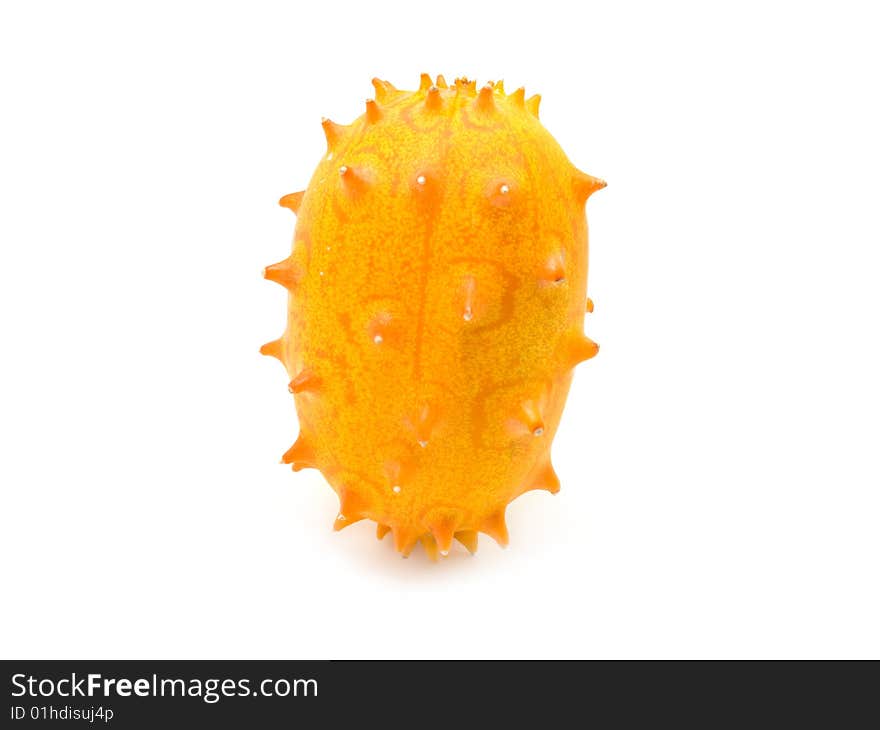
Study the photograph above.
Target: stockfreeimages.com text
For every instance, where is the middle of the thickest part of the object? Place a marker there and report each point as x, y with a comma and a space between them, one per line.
210, 690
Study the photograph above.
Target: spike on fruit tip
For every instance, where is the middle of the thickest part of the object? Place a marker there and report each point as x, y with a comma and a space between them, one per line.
442, 524
283, 273
463, 85
485, 100
554, 269
433, 101
468, 538
275, 349
578, 348
373, 113
585, 185
430, 547
305, 380
496, 528
546, 478
300, 455
405, 539
352, 509
532, 418
292, 201
425, 421
532, 104
333, 132
353, 180
384, 89
443, 535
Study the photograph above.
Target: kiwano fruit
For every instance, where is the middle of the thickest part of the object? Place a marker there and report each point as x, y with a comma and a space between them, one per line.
437, 289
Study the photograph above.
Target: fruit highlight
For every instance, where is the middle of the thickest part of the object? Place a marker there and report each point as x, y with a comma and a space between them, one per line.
437, 290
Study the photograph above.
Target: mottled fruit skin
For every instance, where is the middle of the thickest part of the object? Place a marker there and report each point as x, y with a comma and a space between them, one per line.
437, 289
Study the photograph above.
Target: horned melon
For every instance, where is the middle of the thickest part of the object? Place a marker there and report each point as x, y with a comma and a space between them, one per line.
437, 289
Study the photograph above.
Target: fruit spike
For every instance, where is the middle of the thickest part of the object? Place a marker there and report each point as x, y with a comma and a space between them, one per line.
353, 181
464, 86
575, 349
518, 97
352, 508
306, 380
468, 538
384, 90
275, 349
301, 455
405, 538
585, 185
284, 273
445, 290
433, 100
430, 547
496, 528
292, 201
532, 418
532, 104
333, 132
373, 113
485, 102
442, 524
545, 478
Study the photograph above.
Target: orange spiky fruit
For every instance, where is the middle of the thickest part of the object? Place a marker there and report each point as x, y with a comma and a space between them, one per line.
437, 289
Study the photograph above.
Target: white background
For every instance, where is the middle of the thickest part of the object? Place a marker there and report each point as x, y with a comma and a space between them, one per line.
719, 458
